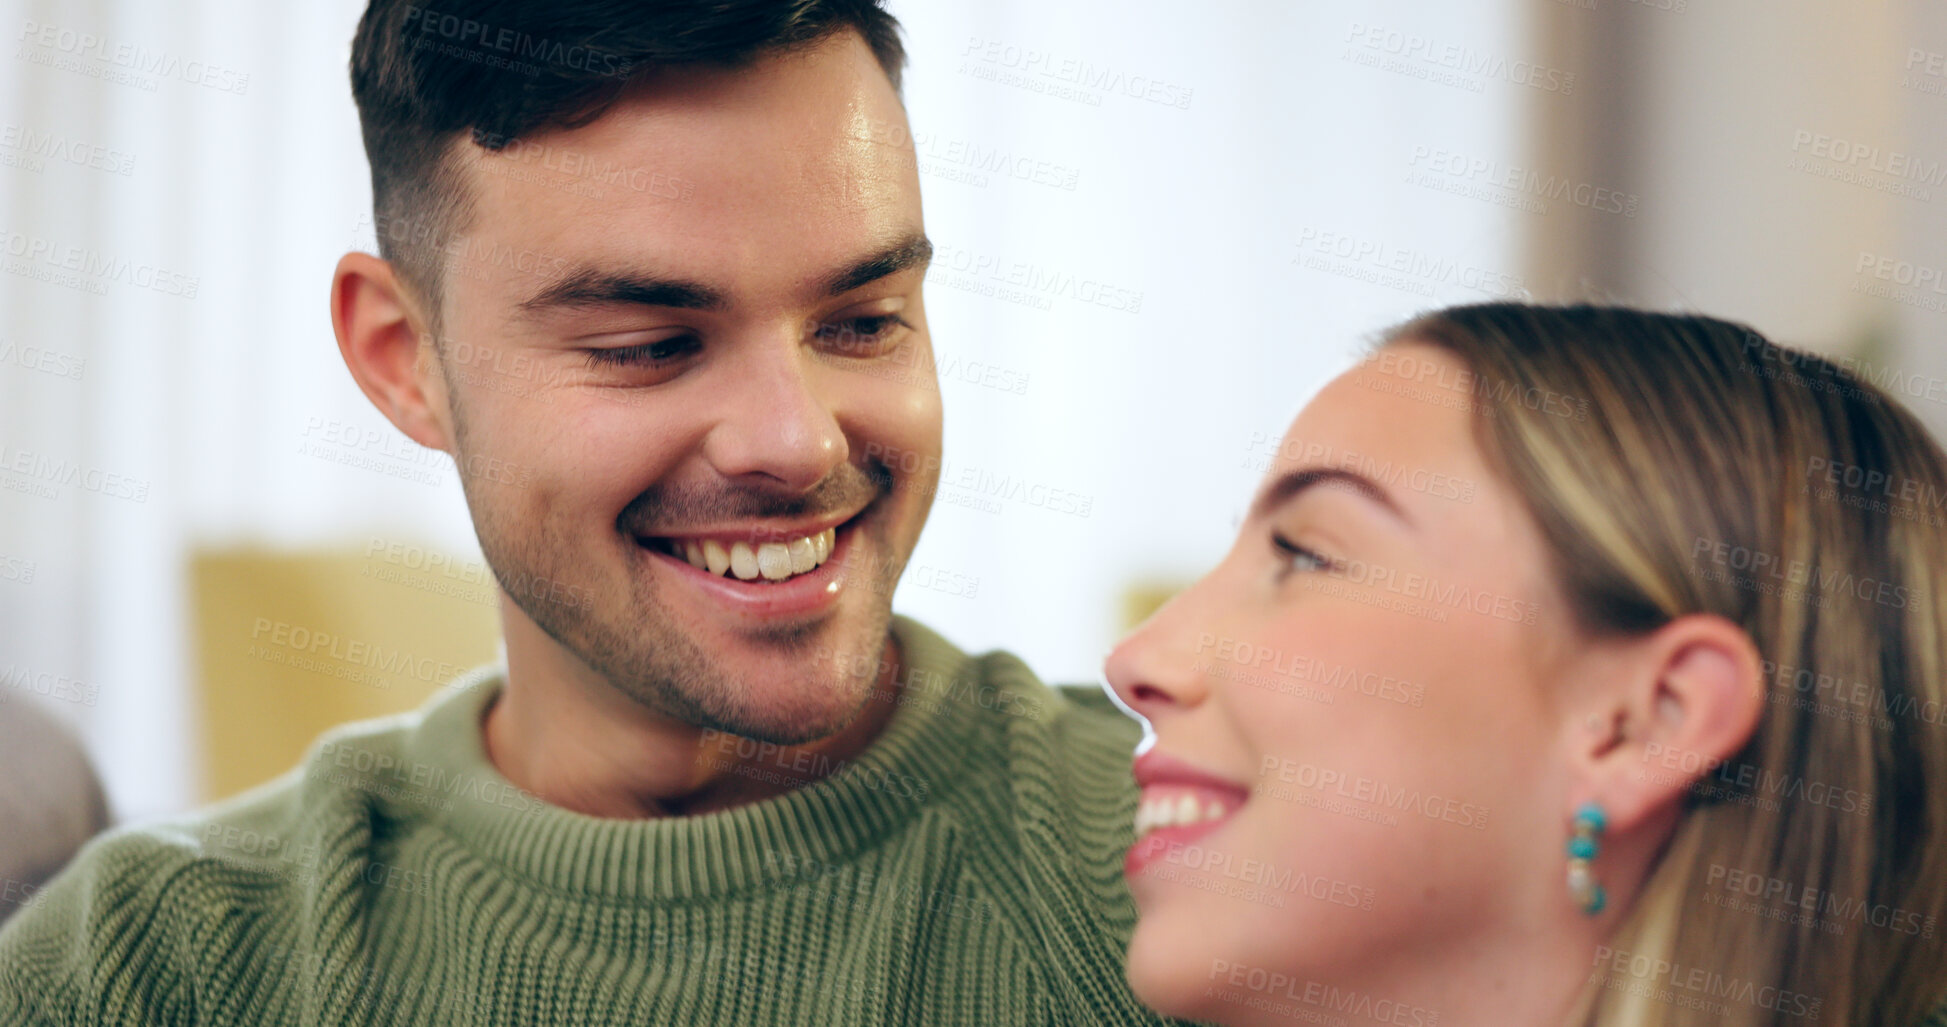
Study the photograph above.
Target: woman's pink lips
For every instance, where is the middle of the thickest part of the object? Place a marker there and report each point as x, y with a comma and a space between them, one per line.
1156, 844
813, 592
1157, 769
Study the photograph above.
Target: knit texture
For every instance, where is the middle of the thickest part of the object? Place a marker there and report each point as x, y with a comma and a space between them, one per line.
965, 869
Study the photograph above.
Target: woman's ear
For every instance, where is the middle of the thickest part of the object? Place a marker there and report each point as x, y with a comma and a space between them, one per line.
381, 335
1681, 702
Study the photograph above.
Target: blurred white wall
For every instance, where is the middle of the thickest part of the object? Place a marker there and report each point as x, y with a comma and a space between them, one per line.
1160, 230
1262, 138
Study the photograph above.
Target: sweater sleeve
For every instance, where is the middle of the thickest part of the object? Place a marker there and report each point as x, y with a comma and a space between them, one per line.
1068, 751
107, 941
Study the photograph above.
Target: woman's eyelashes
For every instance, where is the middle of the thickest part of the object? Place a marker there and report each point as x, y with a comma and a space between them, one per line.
1294, 557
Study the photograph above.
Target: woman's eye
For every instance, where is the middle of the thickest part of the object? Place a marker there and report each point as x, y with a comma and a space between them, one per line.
1296, 557
648, 354
860, 335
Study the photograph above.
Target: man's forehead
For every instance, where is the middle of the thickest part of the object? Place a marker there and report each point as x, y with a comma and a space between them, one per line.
756, 191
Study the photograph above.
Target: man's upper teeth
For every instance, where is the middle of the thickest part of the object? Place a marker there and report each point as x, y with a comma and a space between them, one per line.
1176, 811
773, 561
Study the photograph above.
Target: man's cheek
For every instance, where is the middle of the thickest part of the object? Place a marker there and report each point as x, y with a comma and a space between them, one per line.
897, 424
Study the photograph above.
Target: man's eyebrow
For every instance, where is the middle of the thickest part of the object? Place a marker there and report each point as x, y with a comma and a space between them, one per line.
913, 251
1292, 483
588, 286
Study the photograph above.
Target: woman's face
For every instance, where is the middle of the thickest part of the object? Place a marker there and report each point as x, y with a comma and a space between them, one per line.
1355, 721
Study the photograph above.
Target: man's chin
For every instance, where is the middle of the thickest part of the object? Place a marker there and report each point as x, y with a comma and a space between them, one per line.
791, 684
804, 712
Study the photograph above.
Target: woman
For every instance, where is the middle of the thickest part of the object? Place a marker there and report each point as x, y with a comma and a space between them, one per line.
1574, 665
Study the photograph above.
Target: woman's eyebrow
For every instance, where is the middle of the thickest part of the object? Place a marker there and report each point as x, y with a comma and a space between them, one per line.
1292, 483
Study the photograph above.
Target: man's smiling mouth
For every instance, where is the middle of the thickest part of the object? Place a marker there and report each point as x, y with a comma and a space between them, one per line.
747, 560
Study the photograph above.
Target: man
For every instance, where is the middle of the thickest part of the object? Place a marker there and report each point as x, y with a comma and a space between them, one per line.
652, 277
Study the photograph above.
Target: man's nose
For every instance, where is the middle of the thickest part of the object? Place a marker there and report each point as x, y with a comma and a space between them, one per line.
775, 421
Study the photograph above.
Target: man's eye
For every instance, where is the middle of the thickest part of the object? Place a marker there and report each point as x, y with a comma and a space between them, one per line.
862, 336
648, 354
1297, 557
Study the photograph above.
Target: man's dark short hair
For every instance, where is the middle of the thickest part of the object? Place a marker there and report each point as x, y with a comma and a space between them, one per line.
499, 69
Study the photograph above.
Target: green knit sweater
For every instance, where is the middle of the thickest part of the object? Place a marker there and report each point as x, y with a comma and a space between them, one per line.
963, 870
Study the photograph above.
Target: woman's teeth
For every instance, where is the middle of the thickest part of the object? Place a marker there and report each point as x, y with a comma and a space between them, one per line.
1179, 810
772, 561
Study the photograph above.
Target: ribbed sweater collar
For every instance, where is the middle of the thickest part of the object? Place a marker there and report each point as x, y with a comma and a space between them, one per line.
928, 745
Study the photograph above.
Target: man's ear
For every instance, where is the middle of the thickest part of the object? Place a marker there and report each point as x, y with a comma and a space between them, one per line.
382, 337
1682, 701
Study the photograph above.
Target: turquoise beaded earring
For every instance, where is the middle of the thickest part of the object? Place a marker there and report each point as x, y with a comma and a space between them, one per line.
1589, 822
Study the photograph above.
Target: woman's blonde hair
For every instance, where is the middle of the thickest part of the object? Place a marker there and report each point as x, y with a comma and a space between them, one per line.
1680, 464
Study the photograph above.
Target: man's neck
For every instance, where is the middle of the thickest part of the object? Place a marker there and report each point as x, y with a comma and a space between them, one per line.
598, 752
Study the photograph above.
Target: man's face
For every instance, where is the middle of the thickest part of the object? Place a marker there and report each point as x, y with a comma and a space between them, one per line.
696, 322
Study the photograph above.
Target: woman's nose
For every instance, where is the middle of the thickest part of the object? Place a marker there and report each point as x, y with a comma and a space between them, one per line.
1159, 667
